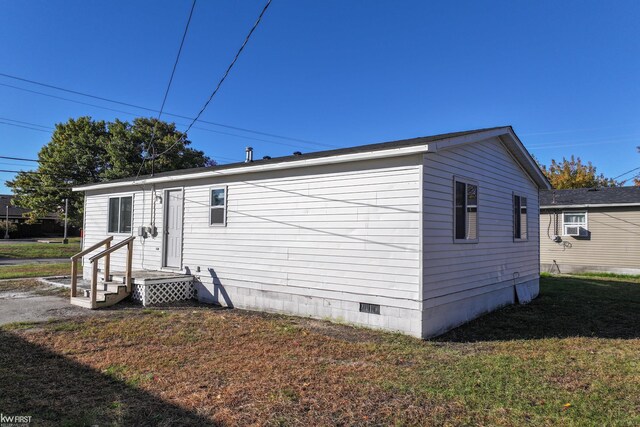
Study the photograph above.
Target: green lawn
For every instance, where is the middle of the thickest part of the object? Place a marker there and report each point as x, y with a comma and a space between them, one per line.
570, 358
39, 250
35, 270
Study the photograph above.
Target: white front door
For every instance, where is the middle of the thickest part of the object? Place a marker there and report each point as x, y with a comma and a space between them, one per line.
173, 229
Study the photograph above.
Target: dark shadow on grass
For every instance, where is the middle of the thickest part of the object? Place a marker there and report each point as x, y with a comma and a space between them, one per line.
566, 307
55, 390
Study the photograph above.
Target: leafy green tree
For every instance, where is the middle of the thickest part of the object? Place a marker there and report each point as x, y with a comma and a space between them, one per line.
83, 151
574, 173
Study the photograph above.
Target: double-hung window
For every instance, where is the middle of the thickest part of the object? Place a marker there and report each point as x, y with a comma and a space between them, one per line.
120, 214
465, 212
218, 207
520, 223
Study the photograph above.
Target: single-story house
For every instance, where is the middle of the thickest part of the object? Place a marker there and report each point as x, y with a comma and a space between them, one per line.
590, 229
416, 236
50, 225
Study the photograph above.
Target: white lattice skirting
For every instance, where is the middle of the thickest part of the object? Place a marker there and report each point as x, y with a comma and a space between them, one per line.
160, 293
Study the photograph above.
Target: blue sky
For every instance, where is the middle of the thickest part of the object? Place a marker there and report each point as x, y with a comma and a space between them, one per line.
335, 73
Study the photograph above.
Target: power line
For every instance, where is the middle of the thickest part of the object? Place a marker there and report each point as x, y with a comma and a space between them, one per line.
224, 76
233, 62
304, 141
235, 135
628, 172
166, 92
11, 171
23, 126
25, 123
19, 158
175, 64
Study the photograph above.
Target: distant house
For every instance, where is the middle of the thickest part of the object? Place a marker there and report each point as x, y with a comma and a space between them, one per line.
50, 225
417, 236
590, 230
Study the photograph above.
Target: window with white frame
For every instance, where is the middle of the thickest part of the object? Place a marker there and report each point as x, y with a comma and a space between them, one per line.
520, 223
218, 206
571, 220
120, 214
466, 211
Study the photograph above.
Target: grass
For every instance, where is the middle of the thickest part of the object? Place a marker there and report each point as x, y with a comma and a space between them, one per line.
34, 286
38, 250
34, 270
630, 277
568, 358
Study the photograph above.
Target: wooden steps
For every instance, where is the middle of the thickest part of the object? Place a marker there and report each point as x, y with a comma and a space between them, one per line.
110, 293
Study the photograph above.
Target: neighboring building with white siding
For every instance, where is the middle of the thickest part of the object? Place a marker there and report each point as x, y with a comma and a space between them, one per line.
416, 236
590, 230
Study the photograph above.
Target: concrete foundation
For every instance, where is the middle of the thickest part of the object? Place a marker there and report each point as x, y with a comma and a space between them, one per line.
571, 268
397, 319
442, 318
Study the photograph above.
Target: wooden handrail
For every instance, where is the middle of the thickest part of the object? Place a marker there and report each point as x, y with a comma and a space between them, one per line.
112, 249
92, 248
128, 242
74, 262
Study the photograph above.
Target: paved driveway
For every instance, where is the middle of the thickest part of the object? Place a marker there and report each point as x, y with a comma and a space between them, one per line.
21, 306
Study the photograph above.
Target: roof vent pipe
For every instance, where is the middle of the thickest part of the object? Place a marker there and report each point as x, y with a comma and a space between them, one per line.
248, 155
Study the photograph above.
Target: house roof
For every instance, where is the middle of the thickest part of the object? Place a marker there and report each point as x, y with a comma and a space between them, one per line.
379, 150
585, 197
14, 211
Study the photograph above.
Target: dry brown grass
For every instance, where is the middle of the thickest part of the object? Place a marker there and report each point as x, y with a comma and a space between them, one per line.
203, 366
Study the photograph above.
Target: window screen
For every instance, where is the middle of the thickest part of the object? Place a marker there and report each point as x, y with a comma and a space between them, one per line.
520, 217
466, 211
120, 214
218, 207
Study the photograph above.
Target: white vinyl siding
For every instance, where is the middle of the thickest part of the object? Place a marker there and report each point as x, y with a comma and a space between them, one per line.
341, 233
454, 272
96, 226
348, 232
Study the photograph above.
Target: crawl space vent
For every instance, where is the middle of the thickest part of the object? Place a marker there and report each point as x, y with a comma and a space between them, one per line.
369, 308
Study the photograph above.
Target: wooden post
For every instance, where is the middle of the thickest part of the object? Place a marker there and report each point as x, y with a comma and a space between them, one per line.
107, 263
94, 284
74, 277
129, 262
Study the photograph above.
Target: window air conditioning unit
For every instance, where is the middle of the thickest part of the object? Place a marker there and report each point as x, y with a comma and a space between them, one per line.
576, 231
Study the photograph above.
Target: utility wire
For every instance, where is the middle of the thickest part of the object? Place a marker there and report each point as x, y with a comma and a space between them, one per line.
144, 108
11, 171
23, 126
224, 76
628, 172
235, 135
233, 62
19, 158
25, 123
166, 92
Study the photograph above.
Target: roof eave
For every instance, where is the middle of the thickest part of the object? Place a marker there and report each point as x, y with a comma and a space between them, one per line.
257, 167
589, 205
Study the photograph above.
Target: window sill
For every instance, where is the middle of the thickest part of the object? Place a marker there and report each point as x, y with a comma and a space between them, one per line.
465, 241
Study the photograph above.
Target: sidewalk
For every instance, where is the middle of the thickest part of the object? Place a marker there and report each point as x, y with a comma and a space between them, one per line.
19, 261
